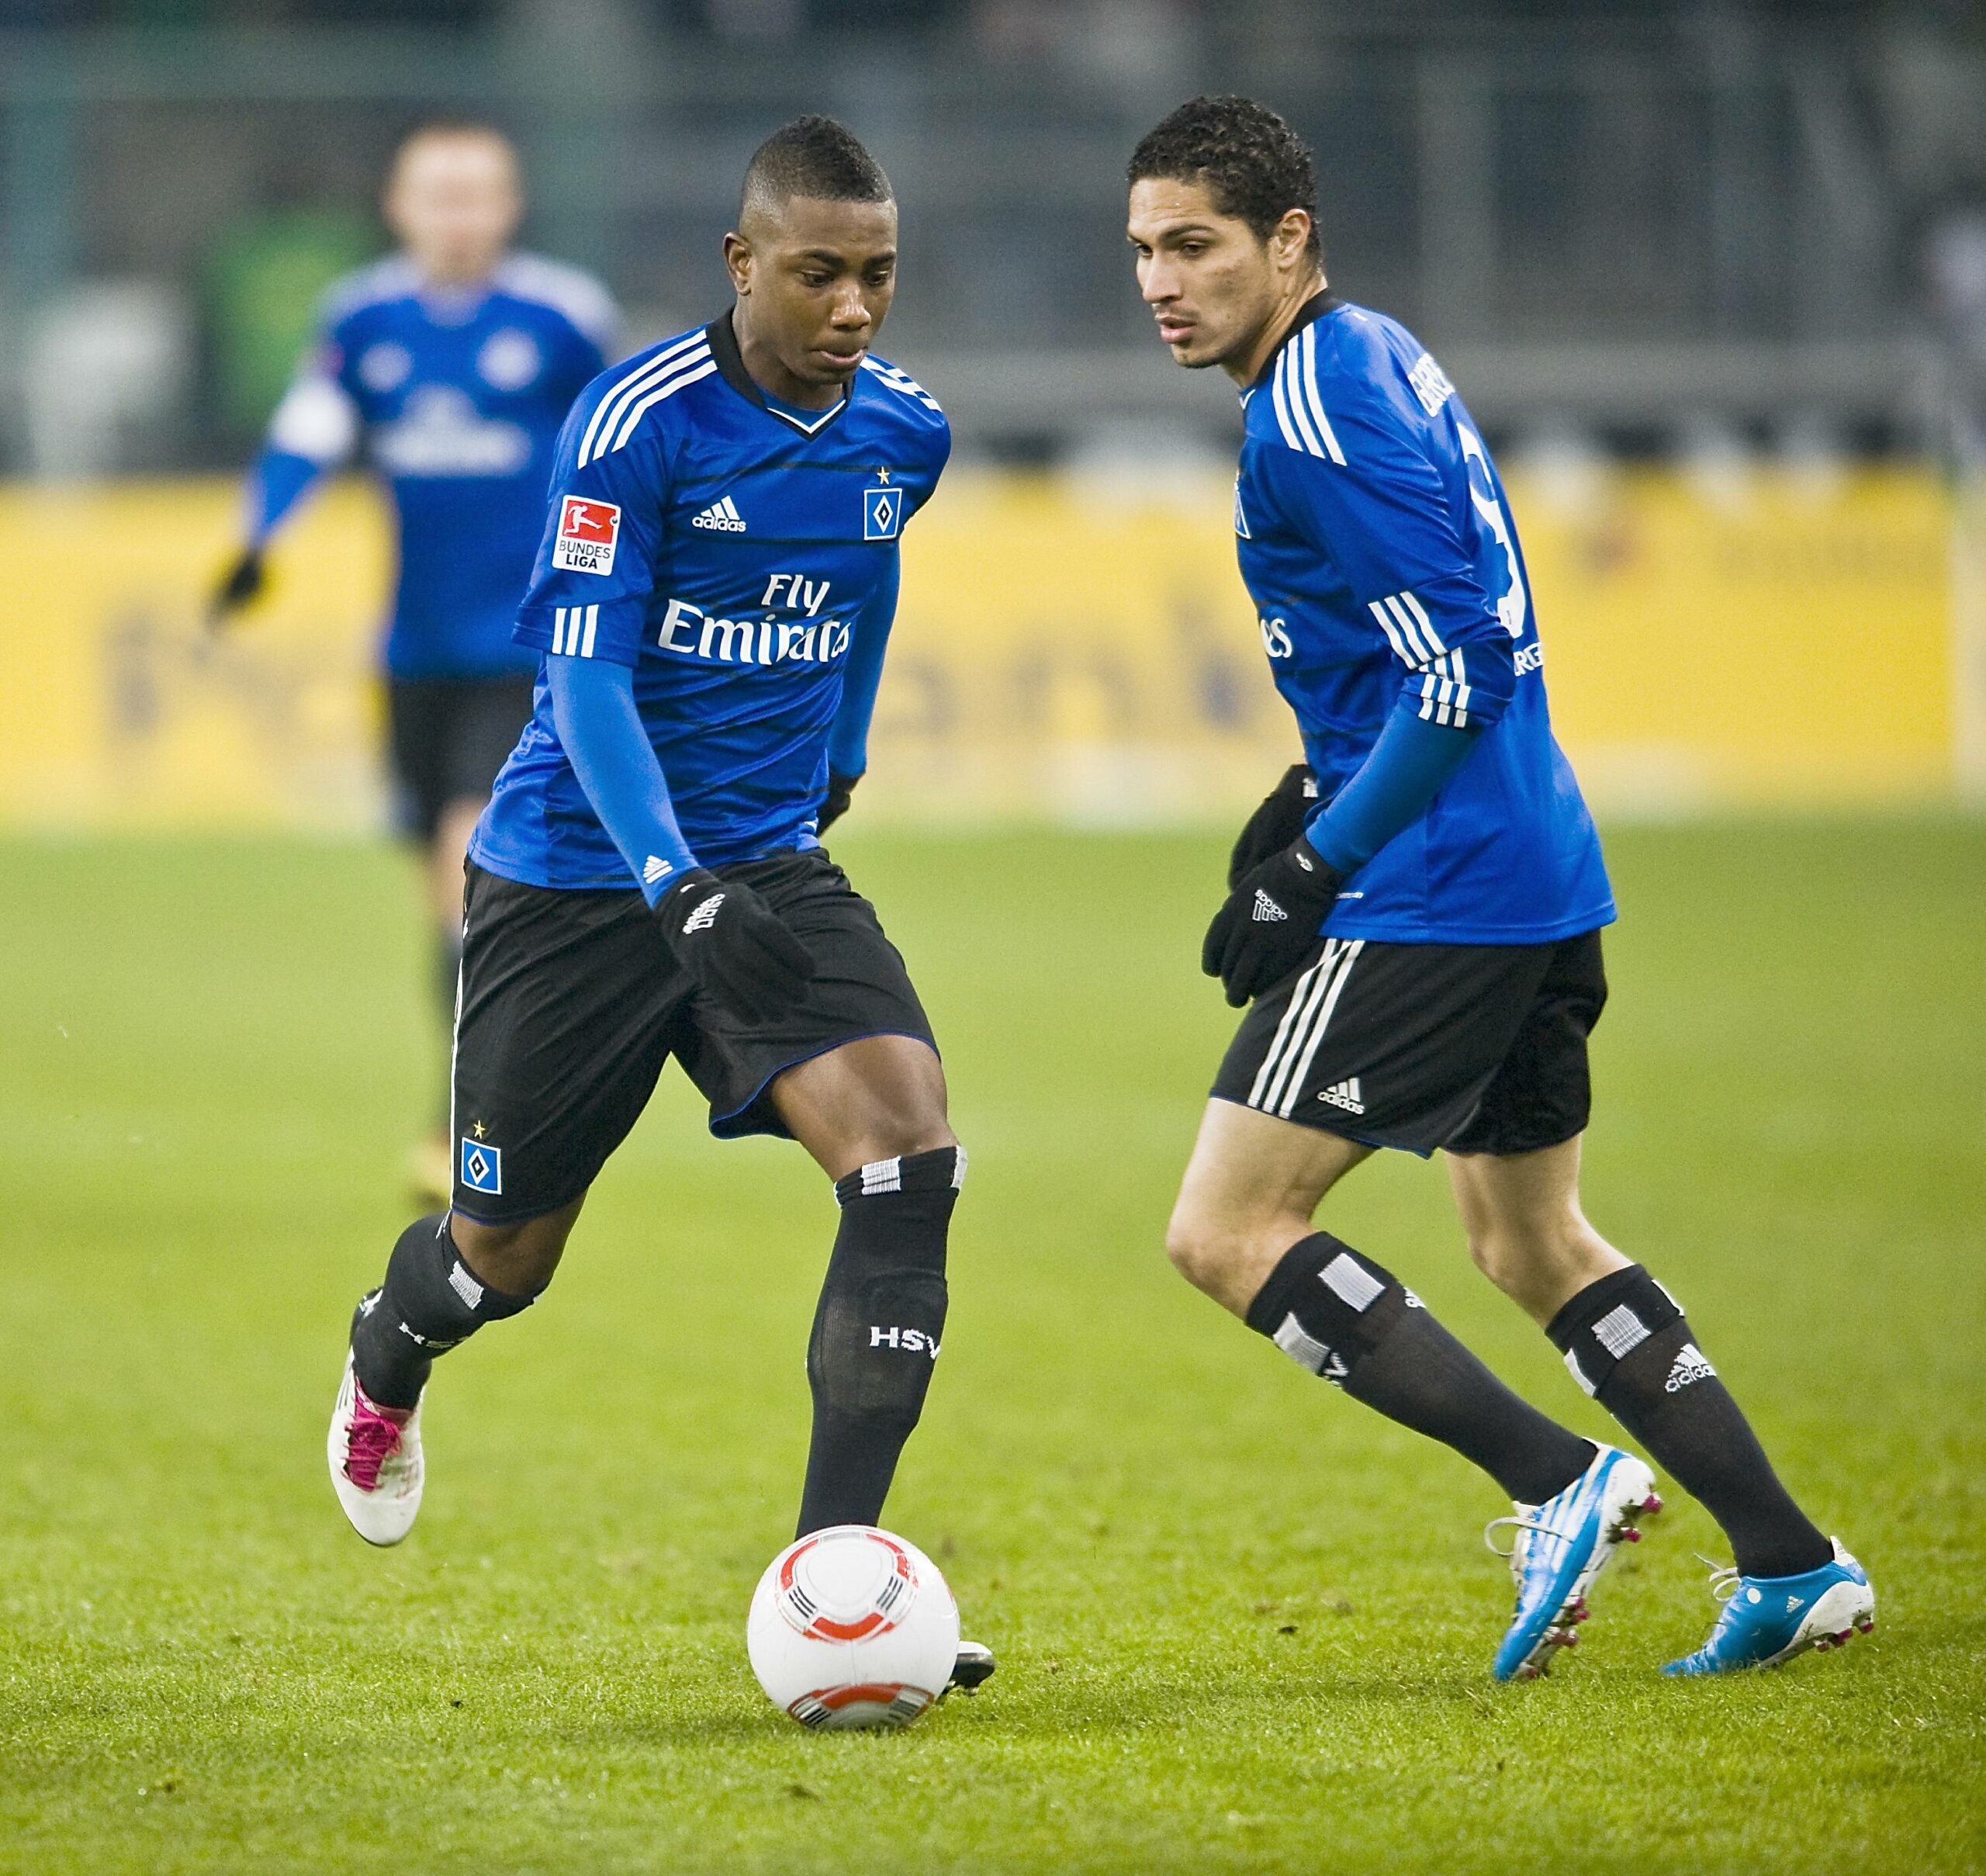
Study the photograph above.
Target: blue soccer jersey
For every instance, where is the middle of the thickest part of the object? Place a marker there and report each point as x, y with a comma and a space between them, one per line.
739, 555
1376, 542
454, 399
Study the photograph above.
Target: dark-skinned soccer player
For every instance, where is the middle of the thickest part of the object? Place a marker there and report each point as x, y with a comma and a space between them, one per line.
711, 603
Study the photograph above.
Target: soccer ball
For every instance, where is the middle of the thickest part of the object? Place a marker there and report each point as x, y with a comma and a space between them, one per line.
851, 1627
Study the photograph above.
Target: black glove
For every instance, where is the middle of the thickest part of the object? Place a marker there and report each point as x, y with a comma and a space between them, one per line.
241, 585
735, 946
840, 787
1270, 922
1277, 822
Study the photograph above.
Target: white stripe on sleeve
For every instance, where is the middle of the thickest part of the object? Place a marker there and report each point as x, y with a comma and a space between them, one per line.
607, 413
1308, 376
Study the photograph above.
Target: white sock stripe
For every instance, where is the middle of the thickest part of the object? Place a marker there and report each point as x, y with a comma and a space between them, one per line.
1352, 1281
607, 413
1577, 1372
1302, 1347
882, 1176
464, 1285
1620, 1331
1340, 978
958, 1170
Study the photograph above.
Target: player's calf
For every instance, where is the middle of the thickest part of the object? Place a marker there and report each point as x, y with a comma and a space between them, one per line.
1627, 1342
877, 1330
430, 1302
1333, 1311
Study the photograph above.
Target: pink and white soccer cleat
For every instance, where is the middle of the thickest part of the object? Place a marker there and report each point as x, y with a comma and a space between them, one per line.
374, 1455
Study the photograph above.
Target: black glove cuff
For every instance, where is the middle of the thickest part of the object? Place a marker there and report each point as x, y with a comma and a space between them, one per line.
1309, 878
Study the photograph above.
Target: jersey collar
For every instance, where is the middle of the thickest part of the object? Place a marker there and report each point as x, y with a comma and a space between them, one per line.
1319, 303
731, 368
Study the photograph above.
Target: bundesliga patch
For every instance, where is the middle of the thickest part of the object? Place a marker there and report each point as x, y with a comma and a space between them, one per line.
882, 513
587, 533
483, 1167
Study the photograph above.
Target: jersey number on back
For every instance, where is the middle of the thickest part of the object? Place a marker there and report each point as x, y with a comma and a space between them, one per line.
1512, 606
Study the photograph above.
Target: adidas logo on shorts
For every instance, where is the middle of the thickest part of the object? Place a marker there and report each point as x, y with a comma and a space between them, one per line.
722, 516
1345, 1095
1690, 1366
1266, 911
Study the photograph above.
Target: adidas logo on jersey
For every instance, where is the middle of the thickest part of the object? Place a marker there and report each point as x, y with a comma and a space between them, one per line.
1346, 1095
722, 517
1266, 911
1690, 1366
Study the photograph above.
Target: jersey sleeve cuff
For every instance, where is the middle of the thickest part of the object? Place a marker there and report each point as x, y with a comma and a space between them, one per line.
608, 629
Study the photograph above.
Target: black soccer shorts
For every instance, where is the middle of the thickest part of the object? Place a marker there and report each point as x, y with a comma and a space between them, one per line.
1476, 1048
571, 1003
447, 738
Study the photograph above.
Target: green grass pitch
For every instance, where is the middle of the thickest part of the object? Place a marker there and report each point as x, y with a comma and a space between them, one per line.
1243, 1624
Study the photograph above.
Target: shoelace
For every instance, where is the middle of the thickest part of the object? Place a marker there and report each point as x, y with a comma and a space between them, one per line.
372, 1441
1724, 1578
1520, 1525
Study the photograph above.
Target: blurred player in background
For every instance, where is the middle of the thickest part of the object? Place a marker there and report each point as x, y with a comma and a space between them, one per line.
448, 368
1416, 914
711, 603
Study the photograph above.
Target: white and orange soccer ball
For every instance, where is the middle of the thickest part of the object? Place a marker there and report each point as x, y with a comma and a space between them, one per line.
852, 1627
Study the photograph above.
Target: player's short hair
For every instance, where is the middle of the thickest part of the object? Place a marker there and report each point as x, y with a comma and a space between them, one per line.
1256, 166
447, 125
818, 157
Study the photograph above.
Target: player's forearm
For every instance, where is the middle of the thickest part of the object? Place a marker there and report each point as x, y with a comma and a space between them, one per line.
1441, 712
848, 741
600, 728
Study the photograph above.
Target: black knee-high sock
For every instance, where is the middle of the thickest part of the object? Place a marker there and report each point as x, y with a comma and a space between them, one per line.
1341, 1316
876, 1330
430, 1302
1627, 1343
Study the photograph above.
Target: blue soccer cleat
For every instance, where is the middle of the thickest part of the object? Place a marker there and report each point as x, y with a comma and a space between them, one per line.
1767, 1620
1560, 1546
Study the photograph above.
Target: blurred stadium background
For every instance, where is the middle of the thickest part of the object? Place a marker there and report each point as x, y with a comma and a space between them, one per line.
1713, 274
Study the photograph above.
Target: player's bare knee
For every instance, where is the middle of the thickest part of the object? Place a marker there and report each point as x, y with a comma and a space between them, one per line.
519, 1257
1204, 1250
906, 1138
1510, 1256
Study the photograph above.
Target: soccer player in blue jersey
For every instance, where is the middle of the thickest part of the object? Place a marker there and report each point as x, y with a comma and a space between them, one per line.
448, 368
1413, 918
710, 605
